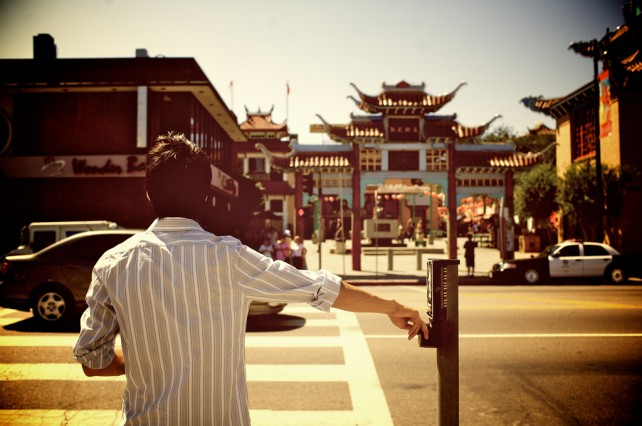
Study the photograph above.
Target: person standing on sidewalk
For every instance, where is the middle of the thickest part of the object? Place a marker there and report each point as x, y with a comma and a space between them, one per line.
178, 296
298, 253
469, 254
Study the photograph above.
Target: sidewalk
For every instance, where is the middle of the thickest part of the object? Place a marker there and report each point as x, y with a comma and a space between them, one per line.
374, 267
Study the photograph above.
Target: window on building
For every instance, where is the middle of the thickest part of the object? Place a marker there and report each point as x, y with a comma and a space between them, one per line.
481, 183
370, 160
403, 160
436, 160
583, 133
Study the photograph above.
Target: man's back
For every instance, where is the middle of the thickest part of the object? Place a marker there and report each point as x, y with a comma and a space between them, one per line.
179, 297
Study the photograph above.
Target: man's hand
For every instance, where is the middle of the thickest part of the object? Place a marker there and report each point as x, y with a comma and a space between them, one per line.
408, 319
355, 299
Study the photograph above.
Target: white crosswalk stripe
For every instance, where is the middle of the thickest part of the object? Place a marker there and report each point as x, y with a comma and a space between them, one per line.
358, 371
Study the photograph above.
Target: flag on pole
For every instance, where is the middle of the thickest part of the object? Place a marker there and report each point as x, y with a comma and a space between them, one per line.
287, 85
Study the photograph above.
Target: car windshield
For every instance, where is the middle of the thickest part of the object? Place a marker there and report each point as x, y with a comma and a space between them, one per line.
548, 250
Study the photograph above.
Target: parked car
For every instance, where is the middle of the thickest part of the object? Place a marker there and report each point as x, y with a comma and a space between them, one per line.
54, 281
38, 235
570, 259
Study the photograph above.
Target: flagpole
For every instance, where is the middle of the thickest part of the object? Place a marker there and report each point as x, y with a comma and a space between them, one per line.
287, 101
231, 86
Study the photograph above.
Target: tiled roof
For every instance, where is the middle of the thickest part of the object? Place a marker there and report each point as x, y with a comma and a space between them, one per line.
261, 122
362, 129
494, 159
559, 107
403, 99
311, 161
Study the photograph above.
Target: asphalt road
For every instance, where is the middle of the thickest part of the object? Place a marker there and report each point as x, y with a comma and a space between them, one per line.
553, 355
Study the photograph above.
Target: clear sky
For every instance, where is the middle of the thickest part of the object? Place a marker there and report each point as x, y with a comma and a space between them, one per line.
503, 49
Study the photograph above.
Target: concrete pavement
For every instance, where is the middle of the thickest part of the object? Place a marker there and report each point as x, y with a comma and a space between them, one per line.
375, 266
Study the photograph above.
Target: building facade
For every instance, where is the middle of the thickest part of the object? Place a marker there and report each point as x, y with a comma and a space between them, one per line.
400, 162
75, 133
599, 123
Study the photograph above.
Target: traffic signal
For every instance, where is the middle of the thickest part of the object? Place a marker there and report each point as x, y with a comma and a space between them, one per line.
308, 184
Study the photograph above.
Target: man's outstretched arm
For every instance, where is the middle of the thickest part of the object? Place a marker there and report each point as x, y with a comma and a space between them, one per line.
355, 299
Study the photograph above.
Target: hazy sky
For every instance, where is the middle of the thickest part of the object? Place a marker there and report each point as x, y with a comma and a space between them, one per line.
504, 49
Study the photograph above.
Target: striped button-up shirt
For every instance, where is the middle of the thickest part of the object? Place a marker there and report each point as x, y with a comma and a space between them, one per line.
179, 297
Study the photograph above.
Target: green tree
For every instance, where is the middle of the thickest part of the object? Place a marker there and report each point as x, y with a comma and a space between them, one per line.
535, 191
577, 199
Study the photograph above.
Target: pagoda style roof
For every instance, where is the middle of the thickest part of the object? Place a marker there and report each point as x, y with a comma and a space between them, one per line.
309, 160
371, 129
501, 158
261, 121
541, 129
402, 99
337, 162
562, 106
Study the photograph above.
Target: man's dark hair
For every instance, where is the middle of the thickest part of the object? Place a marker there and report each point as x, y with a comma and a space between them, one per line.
177, 177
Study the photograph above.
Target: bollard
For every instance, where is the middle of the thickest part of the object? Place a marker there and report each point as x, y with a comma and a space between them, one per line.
443, 316
390, 256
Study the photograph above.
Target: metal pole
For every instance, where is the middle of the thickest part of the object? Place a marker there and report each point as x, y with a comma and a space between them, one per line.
321, 227
448, 356
599, 198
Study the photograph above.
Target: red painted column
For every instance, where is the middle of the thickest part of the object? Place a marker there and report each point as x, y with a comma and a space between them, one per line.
452, 202
356, 209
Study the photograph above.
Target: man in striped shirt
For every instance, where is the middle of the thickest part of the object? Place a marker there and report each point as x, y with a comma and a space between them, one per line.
179, 297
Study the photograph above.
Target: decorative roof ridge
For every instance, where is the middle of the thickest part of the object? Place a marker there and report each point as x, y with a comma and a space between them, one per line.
364, 117
261, 113
327, 127
436, 117
465, 132
270, 155
536, 103
403, 85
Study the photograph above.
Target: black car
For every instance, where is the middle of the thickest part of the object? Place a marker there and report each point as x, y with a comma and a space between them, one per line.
54, 281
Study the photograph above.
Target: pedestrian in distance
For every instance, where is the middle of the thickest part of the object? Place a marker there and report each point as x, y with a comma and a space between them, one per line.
469, 255
282, 249
298, 252
178, 296
267, 249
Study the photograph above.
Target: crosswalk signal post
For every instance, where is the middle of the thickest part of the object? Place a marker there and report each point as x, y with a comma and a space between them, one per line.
443, 317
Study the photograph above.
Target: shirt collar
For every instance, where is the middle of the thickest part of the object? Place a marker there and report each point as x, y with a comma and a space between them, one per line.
168, 224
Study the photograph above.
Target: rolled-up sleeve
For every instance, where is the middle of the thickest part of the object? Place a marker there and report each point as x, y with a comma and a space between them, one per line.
98, 328
268, 280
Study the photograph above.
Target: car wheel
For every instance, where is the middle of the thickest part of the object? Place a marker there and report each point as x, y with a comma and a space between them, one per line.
616, 275
52, 304
531, 276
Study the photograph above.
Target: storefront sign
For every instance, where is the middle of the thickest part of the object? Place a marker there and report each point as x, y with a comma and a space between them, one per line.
74, 166
95, 166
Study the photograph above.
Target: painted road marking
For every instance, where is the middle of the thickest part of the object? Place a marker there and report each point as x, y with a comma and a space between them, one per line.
112, 417
367, 397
